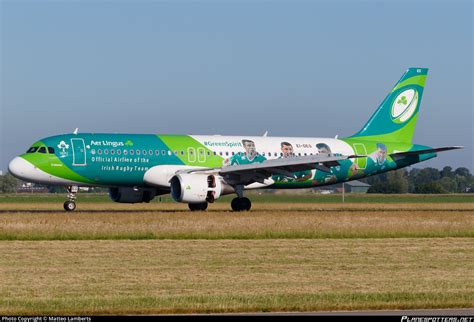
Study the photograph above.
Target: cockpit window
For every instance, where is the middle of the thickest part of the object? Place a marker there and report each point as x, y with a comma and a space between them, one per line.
50, 150
33, 149
42, 150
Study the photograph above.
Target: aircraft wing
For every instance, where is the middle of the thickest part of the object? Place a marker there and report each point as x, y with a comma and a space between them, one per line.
245, 174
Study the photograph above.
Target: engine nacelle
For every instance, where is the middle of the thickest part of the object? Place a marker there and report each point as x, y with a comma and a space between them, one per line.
132, 195
196, 188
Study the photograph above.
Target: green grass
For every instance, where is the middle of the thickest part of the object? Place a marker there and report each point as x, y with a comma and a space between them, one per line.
241, 235
346, 301
357, 198
260, 197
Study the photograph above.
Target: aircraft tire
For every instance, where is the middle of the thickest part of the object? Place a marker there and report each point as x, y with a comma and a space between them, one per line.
197, 206
241, 204
69, 205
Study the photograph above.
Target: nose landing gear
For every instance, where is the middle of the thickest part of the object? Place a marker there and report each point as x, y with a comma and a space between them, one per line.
70, 204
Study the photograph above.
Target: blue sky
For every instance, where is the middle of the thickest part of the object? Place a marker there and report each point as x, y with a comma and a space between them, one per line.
233, 67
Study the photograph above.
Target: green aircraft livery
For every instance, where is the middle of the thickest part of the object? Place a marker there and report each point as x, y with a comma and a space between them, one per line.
197, 169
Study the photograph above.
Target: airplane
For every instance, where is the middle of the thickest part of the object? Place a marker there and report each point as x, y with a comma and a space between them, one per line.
198, 169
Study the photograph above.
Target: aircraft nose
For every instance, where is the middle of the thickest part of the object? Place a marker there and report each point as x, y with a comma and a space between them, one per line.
20, 168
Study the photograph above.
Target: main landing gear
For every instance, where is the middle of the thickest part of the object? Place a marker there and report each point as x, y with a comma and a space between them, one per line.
197, 206
240, 203
70, 204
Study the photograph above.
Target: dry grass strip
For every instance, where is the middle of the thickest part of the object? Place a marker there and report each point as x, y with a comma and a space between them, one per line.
159, 276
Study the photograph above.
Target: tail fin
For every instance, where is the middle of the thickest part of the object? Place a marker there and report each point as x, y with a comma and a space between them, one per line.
395, 119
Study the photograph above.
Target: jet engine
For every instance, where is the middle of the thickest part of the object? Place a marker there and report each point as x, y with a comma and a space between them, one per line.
132, 195
197, 188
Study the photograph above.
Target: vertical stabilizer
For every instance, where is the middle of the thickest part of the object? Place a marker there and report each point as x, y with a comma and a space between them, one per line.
395, 118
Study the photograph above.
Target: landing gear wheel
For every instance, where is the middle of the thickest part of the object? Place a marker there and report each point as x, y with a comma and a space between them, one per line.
197, 206
69, 205
241, 204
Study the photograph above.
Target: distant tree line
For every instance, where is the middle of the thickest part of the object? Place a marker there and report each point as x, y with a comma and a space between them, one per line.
8, 183
426, 180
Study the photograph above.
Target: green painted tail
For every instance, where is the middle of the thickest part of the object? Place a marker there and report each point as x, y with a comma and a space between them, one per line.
395, 118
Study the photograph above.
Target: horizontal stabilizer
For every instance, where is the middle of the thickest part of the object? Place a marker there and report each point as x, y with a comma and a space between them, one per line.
418, 152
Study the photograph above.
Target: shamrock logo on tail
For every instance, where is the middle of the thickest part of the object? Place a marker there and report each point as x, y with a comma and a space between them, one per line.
402, 100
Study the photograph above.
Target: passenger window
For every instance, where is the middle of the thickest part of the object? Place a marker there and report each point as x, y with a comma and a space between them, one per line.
138, 152
182, 152
112, 151
157, 152
106, 151
132, 152
33, 149
119, 152
150, 152
125, 152
99, 151
42, 150
163, 152
144, 152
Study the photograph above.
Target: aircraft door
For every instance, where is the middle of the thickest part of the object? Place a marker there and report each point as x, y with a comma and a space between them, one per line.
192, 155
359, 148
201, 155
78, 152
